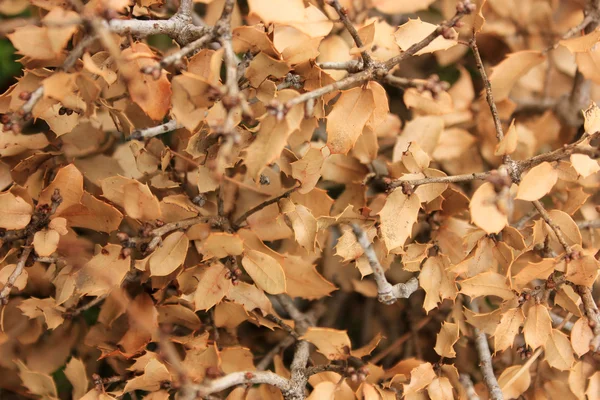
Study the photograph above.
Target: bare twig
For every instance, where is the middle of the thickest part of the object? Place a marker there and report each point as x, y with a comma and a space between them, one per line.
386, 292
381, 70
10, 283
343, 14
467, 384
593, 224
239, 221
593, 315
239, 378
76, 311
485, 362
155, 130
439, 179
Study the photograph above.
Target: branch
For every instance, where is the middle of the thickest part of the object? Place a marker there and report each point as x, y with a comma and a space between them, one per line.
343, 14
240, 378
177, 28
439, 179
186, 8
244, 216
593, 224
593, 315
381, 70
485, 361
386, 293
555, 228
10, 283
589, 304
350, 66
155, 130
299, 378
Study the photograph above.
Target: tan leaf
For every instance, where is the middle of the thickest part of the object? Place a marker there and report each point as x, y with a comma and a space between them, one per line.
420, 378
537, 182
437, 281
152, 95
398, 216
487, 284
581, 336
440, 389
508, 144
446, 338
519, 384
394, 7
332, 343
214, 284
140, 203
221, 245
303, 280
75, 372
15, 212
307, 170
250, 297
584, 165
538, 326
265, 271
303, 223
591, 117
506, 74
47, 42
154, 374
504, 335
349, 116
416, 30
93, 213
484, 211
559, 352
103, 272
170, 255
36, 382
45, 242
69, 182
323, 391
583, 270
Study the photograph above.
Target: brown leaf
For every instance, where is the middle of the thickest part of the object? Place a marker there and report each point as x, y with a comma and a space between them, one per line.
15, 212
518, 385
487, 284
214, 284
559, 352
505, 75
265, 271
538, 326
398, 216
170, 255
152, 95
349, 116
332, 343
446, 338
45, 242
537, 182
581, 336
416, 30
507, 329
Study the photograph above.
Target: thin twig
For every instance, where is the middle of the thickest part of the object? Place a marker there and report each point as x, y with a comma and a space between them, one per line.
10, 283
440, 179
343, 14
386, 292
381, 71
155, 130
239, 221
593, 224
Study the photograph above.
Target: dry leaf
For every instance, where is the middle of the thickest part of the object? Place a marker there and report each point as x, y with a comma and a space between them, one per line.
537, 182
